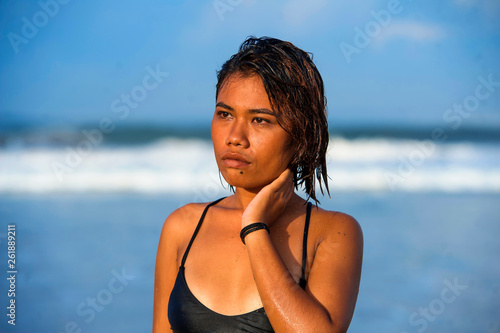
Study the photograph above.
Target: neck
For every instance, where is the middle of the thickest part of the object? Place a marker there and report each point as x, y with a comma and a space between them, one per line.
242, 197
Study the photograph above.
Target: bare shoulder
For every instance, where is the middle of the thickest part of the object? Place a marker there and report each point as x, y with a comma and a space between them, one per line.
182, 222
337, 226
174, 235
336, 265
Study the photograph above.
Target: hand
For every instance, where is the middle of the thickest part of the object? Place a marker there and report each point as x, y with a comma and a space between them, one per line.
270, 202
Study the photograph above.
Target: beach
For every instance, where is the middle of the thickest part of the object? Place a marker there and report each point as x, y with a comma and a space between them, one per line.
86, 246
106, 121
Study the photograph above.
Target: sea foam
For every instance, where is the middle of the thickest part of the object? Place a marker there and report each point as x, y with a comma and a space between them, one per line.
173, 165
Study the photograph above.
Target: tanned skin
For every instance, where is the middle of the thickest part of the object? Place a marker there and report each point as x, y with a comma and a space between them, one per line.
253, 152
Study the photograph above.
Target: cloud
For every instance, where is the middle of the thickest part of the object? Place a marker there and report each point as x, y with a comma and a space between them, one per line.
411, 30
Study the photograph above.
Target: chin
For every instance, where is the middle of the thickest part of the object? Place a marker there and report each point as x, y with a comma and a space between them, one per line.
245, 180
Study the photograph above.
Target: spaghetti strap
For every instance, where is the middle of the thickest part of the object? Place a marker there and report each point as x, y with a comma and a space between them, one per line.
302, 282
197, 229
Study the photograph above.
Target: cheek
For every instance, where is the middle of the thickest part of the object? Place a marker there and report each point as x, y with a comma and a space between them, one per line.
277, 153
285, 150
213, 130
290, 150
216, 135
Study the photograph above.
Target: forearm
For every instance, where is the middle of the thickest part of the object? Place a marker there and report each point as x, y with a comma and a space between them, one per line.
289, 308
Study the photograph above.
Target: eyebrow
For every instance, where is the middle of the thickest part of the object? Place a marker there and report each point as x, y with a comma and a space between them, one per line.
251, 111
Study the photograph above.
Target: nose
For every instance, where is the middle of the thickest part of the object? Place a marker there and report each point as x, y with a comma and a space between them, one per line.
238, 135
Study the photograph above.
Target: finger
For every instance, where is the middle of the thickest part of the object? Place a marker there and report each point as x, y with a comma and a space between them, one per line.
286, 188
289, 190
278, 183
288, 183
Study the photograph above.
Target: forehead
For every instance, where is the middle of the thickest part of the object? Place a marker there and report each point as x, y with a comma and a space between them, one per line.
244, 91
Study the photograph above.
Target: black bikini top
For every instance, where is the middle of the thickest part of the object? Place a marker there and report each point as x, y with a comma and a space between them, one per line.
187, 314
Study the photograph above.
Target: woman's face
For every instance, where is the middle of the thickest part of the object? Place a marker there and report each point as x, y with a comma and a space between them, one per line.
251, 148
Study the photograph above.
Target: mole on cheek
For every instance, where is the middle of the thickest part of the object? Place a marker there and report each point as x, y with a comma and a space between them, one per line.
241, 172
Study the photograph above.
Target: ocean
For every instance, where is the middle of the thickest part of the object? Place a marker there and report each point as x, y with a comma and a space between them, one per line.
87, 208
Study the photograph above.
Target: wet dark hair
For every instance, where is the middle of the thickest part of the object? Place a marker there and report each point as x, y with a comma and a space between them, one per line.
296, 94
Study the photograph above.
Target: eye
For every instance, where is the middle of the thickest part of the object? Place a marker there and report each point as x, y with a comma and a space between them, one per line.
223, 114
260, 120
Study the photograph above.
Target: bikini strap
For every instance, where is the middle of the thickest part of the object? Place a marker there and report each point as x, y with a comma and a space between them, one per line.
302, 282
197, 229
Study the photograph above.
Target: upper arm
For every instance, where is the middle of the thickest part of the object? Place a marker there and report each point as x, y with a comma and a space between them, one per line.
336, 269
166, 267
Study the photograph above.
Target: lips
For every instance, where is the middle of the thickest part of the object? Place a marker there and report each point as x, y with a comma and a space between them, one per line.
235, 160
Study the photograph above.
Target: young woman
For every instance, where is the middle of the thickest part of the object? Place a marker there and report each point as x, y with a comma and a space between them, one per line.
262, 259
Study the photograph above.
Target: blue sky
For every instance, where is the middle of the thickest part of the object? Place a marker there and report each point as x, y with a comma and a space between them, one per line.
83, 57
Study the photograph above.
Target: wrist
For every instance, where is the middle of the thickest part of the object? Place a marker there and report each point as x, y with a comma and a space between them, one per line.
252, 228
